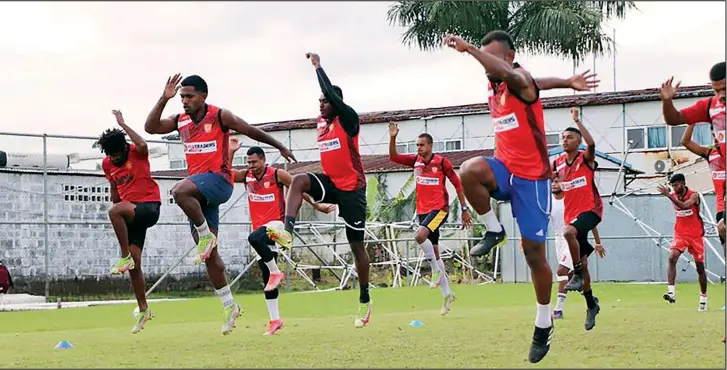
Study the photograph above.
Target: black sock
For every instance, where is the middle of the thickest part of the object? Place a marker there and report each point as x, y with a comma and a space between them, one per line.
590, 302
577, 268
363, 293
289, 223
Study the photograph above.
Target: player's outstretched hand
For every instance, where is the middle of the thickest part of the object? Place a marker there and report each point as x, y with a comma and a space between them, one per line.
584, 81
119, 116
288, 155
456, 43
600, 251
314, 59
235, 144
393, 129
466, 220
324, 207
575, 114
170, 89
663, 190
667, 91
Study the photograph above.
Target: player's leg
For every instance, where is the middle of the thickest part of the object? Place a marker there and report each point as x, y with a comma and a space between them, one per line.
570, 234
271, 297
482, 178
428, 224
531, 207
147, 215
318, 186
121, 215
677, 248
260, 241
564, 273
592, 306
195, 194
696, 249
352, 208
447, 292
721, 230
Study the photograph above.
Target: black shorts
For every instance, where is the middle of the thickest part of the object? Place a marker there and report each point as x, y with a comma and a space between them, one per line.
351, 204
146, 215
720, 216
584, 223
432, 221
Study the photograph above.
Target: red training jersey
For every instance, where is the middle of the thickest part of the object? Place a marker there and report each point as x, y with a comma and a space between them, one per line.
689, 223
580, 193
710, 110
133, 179
431, 189
716, 161
340, 157
265, 197
520, 141
206, 143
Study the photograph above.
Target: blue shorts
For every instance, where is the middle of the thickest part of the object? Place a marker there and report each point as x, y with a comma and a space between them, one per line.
529, 199
215, 190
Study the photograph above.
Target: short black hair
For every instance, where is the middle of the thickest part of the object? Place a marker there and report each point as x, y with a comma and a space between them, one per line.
256, 150
499, 36
717, 72
112, 141
677, 177
573, 129
199, 84
429, 138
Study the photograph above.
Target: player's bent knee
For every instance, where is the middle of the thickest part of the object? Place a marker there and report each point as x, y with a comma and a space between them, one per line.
421, 234
183, 189
570, 232
300, 182
257, 236
272, 294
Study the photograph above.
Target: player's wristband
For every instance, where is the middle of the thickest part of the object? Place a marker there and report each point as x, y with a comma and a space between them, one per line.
465, 209
599, 245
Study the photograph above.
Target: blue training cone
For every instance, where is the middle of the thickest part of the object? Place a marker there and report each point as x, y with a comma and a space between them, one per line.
416, 323
722, 308
64, 344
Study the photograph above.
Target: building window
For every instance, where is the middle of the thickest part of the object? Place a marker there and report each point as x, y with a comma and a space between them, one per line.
83, 194
441, 146
553, 139
701, 135
177, 164
651, 138
635, 138
239, 160
656, 137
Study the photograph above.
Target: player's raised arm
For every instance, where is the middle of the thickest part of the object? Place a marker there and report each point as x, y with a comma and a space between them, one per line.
234, 147
696, 113
155, 124
580, 82
285, 179
590, 154
347, 115
496, 67
693, 146
403, 159
138, 141
236, 123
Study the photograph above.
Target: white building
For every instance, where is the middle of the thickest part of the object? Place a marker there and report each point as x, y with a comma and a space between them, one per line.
613, 118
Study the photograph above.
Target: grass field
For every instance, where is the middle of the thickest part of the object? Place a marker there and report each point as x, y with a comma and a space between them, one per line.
489, 326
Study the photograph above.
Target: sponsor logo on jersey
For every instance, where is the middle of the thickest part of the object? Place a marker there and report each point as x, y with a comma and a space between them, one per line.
573, 184
261, 197
684, 212
505, 123
329, 145
718, 175
427, 181
202, 147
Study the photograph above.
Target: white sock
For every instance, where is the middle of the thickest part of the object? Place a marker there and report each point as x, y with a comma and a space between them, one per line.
428, 249
671, 289
561, 301
491, 221
702, 298
272, 266
226, 296
444, 282
542, 317
203, 230
273, 309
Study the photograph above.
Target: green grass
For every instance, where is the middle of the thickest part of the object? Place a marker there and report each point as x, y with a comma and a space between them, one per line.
489, 326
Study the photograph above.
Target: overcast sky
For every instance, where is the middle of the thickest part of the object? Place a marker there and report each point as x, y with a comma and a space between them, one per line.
66, 65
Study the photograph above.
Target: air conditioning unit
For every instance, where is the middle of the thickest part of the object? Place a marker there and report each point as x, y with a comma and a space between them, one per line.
662, 166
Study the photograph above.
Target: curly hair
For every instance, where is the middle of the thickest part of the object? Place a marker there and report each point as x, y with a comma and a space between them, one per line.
112, 141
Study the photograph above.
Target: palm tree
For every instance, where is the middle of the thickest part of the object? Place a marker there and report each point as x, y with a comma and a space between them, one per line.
568, 29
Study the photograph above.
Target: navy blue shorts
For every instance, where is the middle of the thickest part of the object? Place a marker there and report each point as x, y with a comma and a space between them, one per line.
529, 200
215, 190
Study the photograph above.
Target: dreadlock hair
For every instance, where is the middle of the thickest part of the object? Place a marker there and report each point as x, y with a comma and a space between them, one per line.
112, 141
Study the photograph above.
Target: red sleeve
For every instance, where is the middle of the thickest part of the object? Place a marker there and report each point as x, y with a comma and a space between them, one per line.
697, 113
405, 159
105, 168
451, 175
